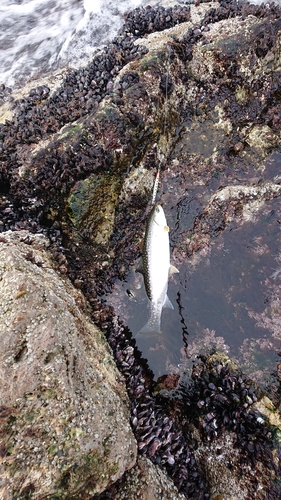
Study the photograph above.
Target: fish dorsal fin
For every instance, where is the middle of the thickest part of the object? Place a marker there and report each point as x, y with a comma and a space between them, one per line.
168, 304
173, 269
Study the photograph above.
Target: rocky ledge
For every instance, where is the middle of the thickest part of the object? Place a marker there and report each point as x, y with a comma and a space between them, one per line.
64, 410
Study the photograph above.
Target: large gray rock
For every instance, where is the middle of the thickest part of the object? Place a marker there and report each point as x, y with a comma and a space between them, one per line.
64, 411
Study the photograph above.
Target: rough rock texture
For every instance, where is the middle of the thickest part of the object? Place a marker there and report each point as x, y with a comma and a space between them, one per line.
64, 411
145, 481
241, 458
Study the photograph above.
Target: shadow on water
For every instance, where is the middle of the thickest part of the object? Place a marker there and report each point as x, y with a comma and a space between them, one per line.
227, 298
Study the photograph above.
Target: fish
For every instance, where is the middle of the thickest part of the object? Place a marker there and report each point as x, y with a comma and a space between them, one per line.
156, 268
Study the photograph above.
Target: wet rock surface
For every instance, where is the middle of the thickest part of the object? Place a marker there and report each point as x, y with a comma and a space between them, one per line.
78, 164
242, 429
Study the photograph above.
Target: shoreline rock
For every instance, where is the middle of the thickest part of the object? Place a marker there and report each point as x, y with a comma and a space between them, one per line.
105, 125
64, 410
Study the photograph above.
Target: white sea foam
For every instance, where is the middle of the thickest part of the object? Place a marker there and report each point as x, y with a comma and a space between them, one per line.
39, 35
31, 33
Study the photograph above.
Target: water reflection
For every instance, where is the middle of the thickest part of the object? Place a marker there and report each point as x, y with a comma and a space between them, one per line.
226, 299
227, 293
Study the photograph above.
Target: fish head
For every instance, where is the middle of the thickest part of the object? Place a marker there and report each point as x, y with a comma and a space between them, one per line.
159, 216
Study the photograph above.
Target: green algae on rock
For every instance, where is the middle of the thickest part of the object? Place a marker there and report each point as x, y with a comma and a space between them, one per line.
91, 206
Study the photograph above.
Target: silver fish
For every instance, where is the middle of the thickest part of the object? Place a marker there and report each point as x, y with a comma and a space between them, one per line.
156, 268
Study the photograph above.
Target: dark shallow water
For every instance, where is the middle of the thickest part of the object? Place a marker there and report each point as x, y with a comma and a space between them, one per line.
226, 296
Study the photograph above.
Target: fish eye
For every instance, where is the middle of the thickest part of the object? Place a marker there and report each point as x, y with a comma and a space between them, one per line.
157, 208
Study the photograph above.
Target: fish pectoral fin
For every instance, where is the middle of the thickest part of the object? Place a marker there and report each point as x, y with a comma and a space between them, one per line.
168, 304
166, 229
173, 269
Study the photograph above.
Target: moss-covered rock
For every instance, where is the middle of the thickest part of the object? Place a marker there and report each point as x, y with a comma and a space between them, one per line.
91, 206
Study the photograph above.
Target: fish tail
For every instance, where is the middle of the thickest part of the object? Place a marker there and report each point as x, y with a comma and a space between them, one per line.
153, 326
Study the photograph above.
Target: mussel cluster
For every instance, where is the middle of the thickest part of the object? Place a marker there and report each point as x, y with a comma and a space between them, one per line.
220, 397
217, 399
42, 113
157, 435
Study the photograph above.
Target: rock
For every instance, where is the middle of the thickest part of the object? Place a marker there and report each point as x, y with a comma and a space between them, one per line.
89, 197
202, 100
64, 411
218, 461
262, 139
242, 426
145, 481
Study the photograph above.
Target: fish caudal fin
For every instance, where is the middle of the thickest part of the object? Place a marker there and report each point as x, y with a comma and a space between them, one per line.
151, 327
